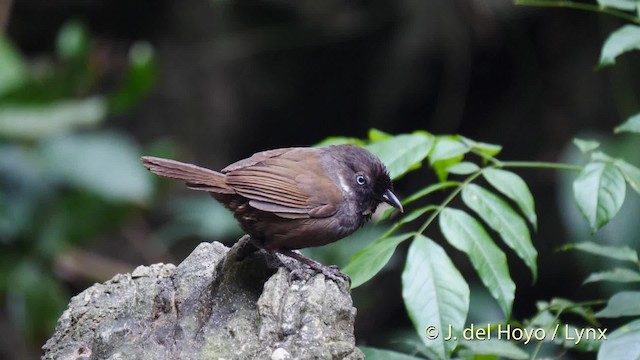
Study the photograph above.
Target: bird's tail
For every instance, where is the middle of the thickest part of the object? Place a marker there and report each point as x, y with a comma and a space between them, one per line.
197, 178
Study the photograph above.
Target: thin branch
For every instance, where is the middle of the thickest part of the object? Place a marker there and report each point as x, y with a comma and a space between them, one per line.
525, 164
539, 165
448, 200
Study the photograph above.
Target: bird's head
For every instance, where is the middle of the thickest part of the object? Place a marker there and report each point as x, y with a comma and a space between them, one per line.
365, 178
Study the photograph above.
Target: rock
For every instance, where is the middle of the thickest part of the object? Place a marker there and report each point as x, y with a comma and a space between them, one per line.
214, 305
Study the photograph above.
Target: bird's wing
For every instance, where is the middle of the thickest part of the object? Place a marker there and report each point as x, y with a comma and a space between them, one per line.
290, 183
256, 158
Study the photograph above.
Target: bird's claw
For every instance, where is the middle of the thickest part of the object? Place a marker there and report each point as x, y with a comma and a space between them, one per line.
330, 272
333, 272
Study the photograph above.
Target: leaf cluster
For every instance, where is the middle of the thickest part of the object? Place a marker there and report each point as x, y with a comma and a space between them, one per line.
435, 292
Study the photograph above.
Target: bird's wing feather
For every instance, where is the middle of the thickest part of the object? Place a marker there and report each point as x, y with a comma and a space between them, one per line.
255, 158
287, 186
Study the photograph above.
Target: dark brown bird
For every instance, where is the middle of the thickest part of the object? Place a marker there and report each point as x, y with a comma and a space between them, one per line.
294, 198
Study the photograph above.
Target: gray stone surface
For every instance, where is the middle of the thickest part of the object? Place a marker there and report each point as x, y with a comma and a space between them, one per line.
212, 306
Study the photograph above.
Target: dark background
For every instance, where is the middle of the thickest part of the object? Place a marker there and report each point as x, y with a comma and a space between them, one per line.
238, 77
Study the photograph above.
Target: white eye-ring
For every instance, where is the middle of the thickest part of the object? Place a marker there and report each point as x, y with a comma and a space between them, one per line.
361, 180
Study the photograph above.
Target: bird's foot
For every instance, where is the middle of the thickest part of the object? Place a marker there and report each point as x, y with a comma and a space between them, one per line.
334, 273
331, 272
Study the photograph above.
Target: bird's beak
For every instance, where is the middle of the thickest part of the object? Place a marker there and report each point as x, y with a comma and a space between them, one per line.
392, 200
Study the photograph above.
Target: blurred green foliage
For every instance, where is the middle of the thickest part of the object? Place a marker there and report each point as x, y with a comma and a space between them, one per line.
64, 179
199, 216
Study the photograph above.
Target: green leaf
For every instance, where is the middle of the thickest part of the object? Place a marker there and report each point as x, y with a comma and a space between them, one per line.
586, 145
447, 152
36, 122
367, 262
623, 253
544, 317
340, 140
440, 167
513, 187
376, 135
416, 214
409, 217
72, 42
12, 67
630, 173
625, 39
599, 156
107, 164
467, 235
599, 191
139, 79
402, 152
502, 348
568, 306
463, 168
624, 343
379, 354
484, 148
340, 252
505, 221
435, 294
428, 190
624, 303
631, 125
622, 275
447, 147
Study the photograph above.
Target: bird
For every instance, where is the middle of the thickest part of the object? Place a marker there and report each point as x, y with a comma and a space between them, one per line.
293, 198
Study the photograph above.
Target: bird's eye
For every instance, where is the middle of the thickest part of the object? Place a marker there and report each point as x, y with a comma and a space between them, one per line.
361, 180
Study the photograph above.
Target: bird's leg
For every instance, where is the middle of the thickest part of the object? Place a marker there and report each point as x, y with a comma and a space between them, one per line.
332, 272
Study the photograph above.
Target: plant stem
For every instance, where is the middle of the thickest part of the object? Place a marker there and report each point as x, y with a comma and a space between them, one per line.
587, 303
446, 201
470, 178
526, 164
428, 190
539, 164
398, 224
580, 6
